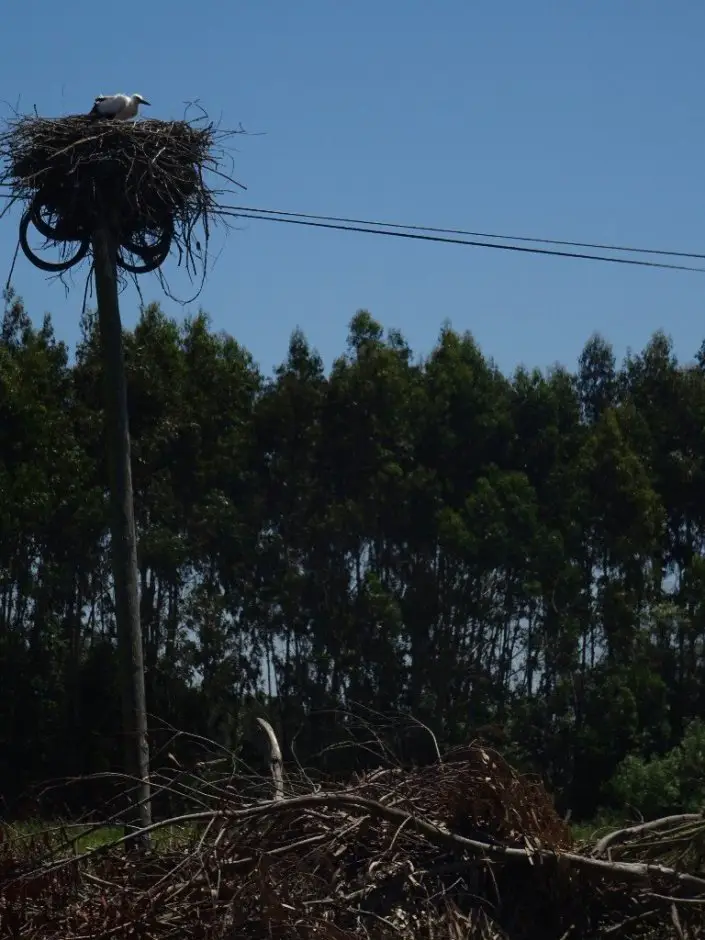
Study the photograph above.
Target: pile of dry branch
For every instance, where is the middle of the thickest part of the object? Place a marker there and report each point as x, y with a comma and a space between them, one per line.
466, 848
145, 180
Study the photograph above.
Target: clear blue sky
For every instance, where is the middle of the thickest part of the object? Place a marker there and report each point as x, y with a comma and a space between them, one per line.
582, 121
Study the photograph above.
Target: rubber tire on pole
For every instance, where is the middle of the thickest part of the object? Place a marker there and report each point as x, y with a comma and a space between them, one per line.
161, 246
49, 232
53, 266
152, 256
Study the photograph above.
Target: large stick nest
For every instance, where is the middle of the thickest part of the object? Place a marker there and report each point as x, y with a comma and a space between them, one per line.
146, 180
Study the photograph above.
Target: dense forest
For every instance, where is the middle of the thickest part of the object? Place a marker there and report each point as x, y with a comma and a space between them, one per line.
521, 557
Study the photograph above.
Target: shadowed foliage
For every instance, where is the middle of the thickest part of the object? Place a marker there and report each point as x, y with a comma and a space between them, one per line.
518, 556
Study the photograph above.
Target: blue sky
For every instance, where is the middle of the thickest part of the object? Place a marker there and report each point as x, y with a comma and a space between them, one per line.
581, 121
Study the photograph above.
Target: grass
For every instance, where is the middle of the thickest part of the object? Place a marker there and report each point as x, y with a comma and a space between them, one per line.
591, 830
67, 837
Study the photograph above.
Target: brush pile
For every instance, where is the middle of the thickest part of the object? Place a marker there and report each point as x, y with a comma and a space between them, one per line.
466, 848
145, 180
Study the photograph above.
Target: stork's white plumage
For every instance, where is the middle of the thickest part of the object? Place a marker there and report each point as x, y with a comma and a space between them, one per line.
117, 107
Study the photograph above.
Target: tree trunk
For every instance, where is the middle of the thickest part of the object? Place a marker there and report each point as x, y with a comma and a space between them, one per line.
124, 540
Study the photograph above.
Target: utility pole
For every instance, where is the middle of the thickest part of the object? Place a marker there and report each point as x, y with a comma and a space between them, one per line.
128, 193
124, 538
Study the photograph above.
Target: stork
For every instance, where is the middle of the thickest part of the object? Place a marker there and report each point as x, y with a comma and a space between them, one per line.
117, 107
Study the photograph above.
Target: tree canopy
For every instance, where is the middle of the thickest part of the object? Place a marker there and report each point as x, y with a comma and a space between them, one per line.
521, 557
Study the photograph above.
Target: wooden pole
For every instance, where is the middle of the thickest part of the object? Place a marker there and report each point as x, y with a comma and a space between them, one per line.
124, 540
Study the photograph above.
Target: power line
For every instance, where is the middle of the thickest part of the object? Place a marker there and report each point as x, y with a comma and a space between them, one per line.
270, 216
468, 234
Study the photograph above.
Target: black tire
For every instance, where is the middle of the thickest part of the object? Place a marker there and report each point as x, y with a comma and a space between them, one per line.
154, 262
162, 246
53, 266
50, 232
153, 256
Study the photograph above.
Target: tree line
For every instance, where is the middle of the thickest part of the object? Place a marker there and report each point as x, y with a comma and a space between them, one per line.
519, 557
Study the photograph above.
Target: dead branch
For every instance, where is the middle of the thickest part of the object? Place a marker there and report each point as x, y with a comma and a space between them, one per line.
275, 758
620, 836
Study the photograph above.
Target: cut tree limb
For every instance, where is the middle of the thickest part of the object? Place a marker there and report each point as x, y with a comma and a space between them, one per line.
619, 836
275, 759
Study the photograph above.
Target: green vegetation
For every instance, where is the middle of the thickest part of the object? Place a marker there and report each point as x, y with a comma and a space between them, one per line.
672, 783
64, 838
515, 556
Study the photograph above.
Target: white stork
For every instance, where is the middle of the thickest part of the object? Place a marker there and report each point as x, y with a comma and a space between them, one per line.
117, 107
